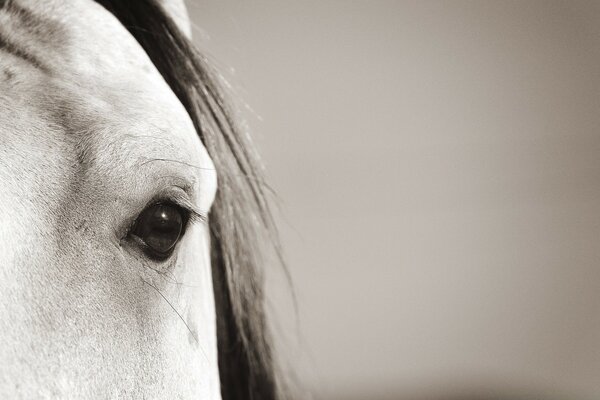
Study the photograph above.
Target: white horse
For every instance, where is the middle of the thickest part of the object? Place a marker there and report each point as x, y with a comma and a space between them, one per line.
118, 280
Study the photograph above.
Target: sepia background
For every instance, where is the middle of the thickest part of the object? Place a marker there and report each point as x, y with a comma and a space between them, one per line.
437, 166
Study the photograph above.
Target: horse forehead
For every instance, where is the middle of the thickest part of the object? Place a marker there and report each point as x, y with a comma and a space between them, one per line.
79, 53
76, 64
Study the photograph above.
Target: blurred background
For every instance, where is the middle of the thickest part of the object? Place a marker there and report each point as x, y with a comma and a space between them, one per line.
438, 169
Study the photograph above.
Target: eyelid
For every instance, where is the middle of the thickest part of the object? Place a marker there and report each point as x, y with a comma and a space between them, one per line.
180, 197
175, 195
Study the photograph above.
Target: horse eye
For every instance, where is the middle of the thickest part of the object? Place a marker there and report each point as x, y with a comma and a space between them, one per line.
160, 226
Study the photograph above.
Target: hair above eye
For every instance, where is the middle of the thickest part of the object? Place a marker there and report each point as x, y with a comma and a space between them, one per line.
159, 228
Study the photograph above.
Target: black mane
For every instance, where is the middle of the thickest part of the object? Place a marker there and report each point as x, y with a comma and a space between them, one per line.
240, 221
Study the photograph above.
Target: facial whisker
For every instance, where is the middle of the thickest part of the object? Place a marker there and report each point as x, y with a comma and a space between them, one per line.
176, 161
194, 334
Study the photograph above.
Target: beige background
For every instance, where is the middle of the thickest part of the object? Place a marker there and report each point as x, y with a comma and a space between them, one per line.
438, 165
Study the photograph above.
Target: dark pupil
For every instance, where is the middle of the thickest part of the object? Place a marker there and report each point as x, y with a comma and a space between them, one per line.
159, 226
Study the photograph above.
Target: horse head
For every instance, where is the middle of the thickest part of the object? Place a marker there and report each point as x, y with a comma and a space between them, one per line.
106, 288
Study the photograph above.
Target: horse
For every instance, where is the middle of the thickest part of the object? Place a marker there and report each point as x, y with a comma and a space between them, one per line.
135, 220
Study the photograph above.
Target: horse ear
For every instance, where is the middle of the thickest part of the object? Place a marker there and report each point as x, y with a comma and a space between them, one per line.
178, 12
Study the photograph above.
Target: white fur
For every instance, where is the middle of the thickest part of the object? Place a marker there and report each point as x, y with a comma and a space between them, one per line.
80, 311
